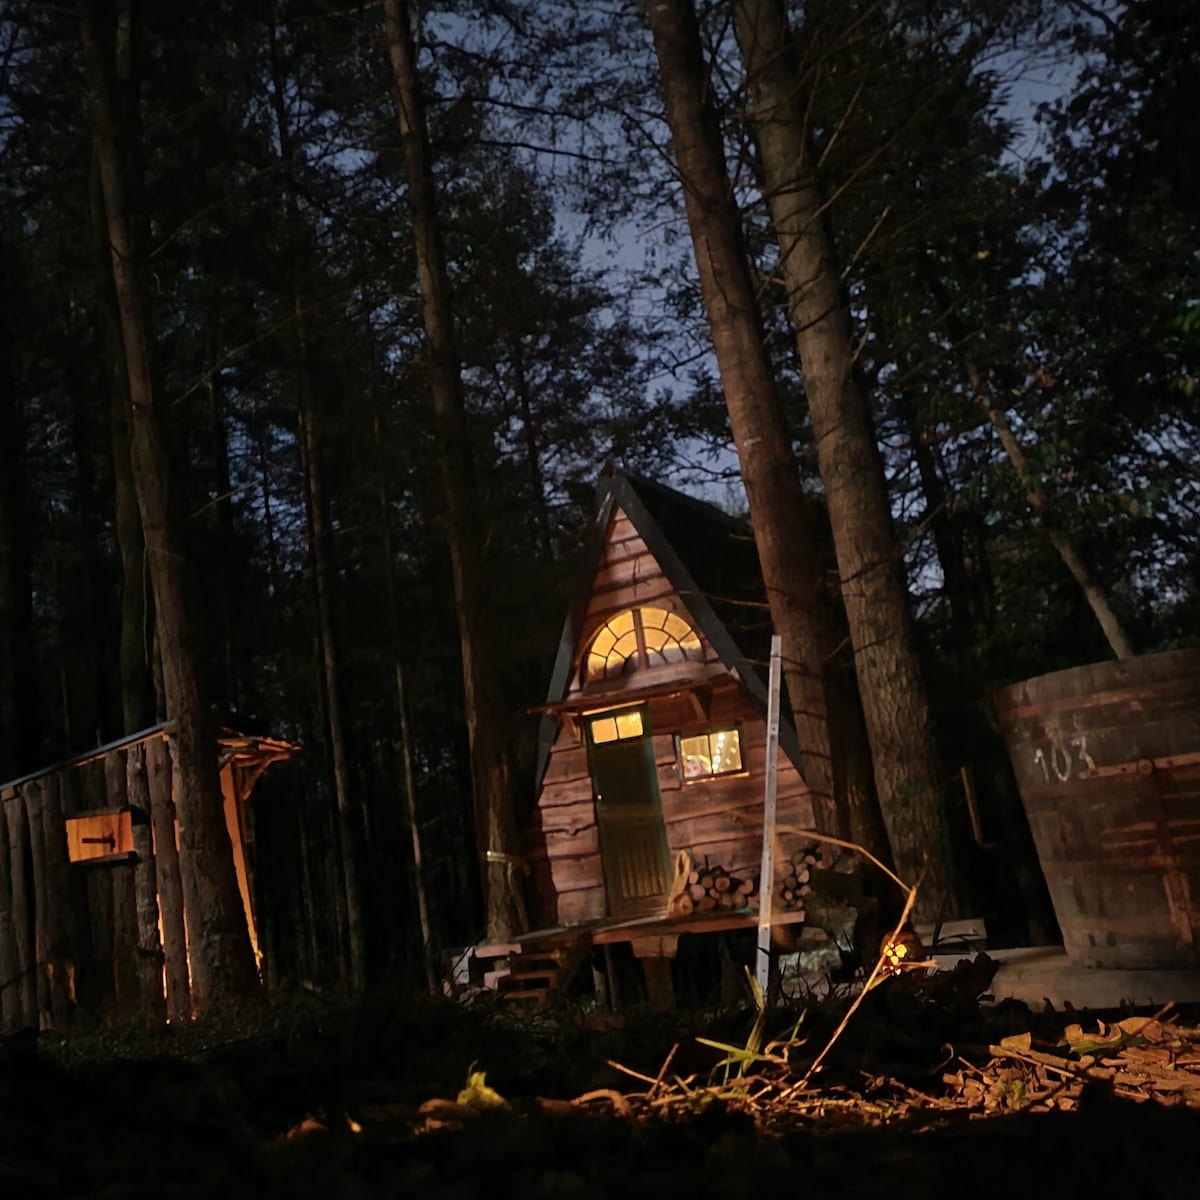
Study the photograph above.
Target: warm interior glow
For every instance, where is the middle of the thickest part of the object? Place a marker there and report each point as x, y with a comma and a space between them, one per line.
638, 638
718, 752
617, 727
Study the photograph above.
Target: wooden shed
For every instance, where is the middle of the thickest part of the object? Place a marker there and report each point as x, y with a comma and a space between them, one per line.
91, 911
654, 729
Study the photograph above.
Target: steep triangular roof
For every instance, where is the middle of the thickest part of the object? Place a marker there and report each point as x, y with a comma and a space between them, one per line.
708, 557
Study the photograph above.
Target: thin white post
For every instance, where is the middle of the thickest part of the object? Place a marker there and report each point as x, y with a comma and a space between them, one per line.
766, 876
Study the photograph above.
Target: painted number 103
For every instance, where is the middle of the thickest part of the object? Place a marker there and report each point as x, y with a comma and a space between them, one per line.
1065, 758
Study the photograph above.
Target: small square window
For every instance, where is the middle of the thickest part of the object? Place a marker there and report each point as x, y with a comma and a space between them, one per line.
618, 727
604, 729
718, 752
629, 724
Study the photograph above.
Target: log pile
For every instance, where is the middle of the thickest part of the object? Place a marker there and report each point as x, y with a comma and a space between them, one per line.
795, 884
710, 889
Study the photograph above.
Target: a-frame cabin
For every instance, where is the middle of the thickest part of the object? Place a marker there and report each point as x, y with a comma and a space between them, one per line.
654, 729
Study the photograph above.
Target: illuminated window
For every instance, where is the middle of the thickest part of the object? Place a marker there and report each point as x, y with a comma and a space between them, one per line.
639, 638
618, 727
718, 752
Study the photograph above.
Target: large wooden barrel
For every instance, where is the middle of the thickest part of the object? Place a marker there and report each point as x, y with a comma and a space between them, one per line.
1107, 757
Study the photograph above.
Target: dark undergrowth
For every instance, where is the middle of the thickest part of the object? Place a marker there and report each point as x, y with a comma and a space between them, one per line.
315, 1100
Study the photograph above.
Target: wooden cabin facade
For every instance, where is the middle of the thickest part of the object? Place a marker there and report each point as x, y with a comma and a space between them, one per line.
91, 908
654, 730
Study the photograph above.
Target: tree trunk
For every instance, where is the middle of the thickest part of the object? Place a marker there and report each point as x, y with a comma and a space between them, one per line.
230, 574
19, 733
963, 602
222, 965
136, 683
320, 536
908, 774
324, 572
414, 829
788, 554
1035, 494
85, 599
496, 830
148, 955
962, 588
308, 891
406, 756
137, 707
161, 778
533, 458
1037, 500
137, 688
268, 525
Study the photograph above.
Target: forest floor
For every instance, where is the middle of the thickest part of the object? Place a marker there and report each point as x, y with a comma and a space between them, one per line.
924, 1093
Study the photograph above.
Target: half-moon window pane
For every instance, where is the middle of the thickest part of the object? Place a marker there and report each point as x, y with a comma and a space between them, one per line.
637, 639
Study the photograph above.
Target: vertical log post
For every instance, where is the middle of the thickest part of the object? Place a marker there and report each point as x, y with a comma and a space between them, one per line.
101, 977
311, 964
124, 914
22, 917
125, 965
60, 962
33, 795
160, 776
9, 1000
656, 954
149, 954
414, 830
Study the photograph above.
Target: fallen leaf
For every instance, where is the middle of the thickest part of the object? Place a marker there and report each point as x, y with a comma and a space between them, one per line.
1105, 1038
1143, 1027
1017, 1042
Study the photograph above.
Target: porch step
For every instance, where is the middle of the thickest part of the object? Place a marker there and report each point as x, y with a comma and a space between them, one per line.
547, 974
530, 972
534, 995
530, 953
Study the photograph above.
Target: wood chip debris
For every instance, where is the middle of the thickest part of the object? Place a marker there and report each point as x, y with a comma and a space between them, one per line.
1142, 1059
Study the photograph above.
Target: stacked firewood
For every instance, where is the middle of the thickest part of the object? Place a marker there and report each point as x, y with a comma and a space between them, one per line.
794, 885
710, 888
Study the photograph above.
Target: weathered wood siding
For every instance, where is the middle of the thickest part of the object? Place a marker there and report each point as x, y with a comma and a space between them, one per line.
628, 575
79, 934
720, 819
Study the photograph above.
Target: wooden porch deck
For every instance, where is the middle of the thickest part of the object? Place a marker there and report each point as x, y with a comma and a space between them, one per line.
611, 930
542, 961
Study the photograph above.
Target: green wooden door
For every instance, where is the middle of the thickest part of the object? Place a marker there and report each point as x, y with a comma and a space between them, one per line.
633, 841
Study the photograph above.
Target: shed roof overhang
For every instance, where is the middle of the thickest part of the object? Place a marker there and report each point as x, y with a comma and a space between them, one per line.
258, 752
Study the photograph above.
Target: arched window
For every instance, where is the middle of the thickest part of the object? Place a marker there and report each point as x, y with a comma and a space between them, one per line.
637, 639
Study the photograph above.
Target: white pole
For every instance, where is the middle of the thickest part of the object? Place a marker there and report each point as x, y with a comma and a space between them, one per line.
766, 876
